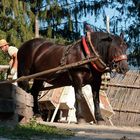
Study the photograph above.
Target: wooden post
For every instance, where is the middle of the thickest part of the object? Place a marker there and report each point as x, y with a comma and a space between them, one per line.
36, 26
107, 24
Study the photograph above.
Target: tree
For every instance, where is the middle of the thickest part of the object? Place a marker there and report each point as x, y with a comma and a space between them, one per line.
62, 19
16, 21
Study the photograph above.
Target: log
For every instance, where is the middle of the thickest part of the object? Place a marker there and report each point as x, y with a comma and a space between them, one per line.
14, 103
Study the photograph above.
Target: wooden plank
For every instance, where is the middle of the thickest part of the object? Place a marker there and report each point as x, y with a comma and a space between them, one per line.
122, 85
127, 111
106, 108
126, 119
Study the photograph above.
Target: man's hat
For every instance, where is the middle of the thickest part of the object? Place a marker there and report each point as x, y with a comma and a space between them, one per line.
3, 42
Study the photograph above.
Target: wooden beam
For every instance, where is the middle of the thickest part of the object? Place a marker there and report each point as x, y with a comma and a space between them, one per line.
127, 111
121, 85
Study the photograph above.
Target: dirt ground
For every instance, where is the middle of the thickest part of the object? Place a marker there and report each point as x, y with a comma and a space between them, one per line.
99, 132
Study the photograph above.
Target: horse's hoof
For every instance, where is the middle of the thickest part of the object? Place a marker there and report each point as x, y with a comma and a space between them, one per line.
99, 118
81, 121
101, 122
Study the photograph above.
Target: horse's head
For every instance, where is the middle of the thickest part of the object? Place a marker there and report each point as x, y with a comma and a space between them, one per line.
117, 58
111, 49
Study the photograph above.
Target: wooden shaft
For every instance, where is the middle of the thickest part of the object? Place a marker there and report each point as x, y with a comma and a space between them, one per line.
68, 66
121, 85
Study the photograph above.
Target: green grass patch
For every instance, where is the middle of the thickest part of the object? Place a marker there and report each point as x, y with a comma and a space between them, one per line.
34, 131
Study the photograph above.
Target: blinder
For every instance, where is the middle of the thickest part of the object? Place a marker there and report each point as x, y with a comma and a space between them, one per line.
118, 59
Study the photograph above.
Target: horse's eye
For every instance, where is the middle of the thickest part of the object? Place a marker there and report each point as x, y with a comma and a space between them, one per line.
114, 65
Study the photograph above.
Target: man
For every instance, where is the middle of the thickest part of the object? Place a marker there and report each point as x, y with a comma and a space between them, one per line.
12, 51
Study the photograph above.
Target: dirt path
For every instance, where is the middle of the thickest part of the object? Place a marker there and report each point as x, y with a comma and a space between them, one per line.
94, 132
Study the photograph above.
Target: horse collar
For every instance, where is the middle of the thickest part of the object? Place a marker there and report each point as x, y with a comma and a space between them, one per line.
99, 65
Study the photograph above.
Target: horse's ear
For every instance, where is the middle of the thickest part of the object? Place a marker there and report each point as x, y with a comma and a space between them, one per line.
87, 27
122, 35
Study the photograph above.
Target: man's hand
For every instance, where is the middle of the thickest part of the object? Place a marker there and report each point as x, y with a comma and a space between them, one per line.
13, 71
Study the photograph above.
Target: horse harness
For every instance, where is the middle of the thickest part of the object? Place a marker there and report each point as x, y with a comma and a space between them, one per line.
66, 52
116, 59
99, 65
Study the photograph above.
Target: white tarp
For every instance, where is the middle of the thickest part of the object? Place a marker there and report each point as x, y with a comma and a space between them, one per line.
66, 99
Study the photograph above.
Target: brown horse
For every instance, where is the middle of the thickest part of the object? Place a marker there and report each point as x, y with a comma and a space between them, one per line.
37, 55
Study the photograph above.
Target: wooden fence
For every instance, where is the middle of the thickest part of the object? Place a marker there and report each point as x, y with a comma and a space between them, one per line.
124, 96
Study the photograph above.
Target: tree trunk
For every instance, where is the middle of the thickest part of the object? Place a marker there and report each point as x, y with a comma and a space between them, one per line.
36, 26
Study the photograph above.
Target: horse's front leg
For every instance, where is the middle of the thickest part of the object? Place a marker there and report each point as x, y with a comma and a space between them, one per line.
79, 102
24, 85
79, 98
96, 99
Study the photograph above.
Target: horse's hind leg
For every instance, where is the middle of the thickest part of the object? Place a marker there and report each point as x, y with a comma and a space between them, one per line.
24, 85
22, 71
37, 85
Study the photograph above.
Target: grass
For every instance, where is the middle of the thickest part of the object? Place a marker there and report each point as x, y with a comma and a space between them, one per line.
34, 131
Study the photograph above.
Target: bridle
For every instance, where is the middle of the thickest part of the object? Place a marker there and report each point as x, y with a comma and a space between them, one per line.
119, 58
112, 65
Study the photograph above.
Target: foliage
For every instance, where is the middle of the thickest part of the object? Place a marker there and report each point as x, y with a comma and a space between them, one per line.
62, 19
34, 130
16, 22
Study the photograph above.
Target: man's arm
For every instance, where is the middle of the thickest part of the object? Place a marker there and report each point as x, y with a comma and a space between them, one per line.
14, 63
14, 58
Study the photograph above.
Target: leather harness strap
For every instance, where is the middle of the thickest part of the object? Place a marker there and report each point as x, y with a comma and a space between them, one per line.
119, 58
